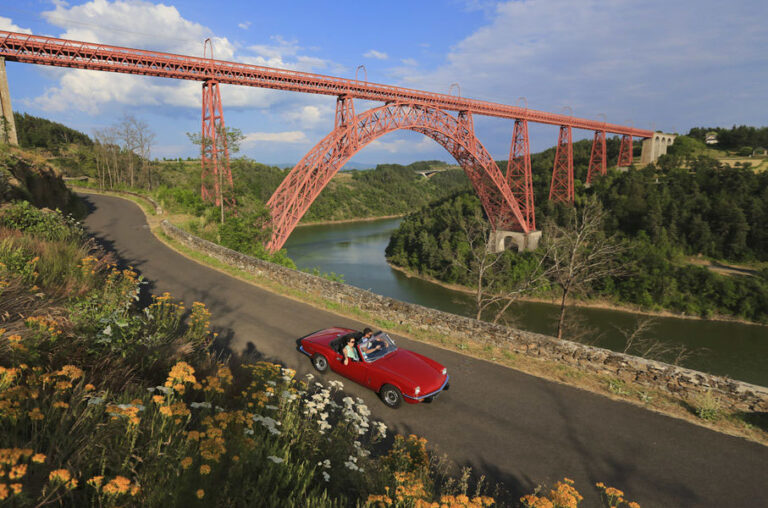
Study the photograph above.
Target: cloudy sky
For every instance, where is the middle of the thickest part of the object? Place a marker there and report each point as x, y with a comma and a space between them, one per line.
667, 65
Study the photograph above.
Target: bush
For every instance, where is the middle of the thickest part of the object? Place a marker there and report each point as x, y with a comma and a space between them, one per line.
46, 224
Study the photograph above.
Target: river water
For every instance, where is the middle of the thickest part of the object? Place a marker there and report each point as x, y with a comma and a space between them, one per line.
356, 250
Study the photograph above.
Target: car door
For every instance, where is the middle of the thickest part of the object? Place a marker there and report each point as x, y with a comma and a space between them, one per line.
354, 370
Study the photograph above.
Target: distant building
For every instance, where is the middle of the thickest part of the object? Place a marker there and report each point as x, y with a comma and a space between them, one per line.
711, 138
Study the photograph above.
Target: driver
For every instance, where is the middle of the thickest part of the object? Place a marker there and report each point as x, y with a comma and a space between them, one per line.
369, 346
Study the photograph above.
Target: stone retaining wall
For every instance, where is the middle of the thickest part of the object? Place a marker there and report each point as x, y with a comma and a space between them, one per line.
686, 383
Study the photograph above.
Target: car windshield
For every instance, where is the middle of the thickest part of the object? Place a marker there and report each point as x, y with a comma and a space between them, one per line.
379, 345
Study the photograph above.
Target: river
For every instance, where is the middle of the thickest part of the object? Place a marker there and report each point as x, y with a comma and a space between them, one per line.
356, 250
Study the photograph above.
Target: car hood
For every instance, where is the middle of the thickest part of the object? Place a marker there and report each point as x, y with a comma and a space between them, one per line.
412, 367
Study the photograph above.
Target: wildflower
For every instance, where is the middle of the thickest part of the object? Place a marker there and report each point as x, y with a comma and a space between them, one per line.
59, 475
89, 387
326, 476
180, 373
200, 493
71, 372
38, 458
36, 414
158, 399
205, 469
3, 491
118, 485
60, 404
166, 411
16, 488
196, 405
186, 462
276, 460
17, 471
95, 482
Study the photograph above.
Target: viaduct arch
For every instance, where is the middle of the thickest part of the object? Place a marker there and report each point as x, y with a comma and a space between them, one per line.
353, 132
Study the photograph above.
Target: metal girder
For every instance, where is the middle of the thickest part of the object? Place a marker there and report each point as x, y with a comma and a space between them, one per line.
519, 177
625, 151
214, 153
597, 160
42, 50
310, 176
561, 188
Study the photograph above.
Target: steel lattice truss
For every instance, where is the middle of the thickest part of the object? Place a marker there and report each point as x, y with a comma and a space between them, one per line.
561, 188
625, 152
19, 47
597, 159
519, 175
300, 188
214, 151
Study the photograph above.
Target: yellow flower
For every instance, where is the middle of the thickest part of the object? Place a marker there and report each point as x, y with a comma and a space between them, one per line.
200, 493
3, 491
158, 399
62, 405
205, 469
17, 472
59, 475
71, 372
16, 488
118, 485
38, 458
95, 482
166, 411
71, 484
186, 462
36, 414
89, 387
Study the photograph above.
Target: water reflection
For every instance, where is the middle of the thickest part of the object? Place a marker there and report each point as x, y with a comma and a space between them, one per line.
356, 250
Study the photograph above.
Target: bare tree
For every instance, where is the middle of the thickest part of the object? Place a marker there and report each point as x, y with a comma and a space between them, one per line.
145, 138
581, 254
128, 136
495, 289
639, 344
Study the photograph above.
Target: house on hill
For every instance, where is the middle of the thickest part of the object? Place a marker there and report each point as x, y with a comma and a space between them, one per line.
711, 138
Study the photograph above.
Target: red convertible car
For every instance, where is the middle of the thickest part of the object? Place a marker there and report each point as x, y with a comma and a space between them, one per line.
394, 373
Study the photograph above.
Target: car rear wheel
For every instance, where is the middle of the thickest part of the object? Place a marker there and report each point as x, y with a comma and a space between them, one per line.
391, 396
320, 363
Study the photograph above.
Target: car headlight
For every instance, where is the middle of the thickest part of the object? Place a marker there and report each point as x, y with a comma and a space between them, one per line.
445, 371
417, 390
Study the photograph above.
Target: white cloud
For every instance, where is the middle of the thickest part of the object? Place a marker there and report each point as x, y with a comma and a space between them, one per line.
646, 61
409, 61
7, 24
274, 137
141, 24
423, 144
378, 55
245, 25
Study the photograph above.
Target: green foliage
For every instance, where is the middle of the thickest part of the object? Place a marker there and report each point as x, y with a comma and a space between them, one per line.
734, 138
35, 132
45, 224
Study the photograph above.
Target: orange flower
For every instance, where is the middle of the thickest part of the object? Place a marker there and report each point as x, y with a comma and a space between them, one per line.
205, 469
38, 458
95, 482
200, 493
186, 462
17, 472
59, 475
16, 488
3, 492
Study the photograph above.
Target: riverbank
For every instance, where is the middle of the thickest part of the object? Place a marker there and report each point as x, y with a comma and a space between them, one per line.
350, 221
591, 304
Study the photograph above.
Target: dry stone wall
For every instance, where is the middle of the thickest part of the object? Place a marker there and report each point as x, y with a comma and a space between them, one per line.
686, 383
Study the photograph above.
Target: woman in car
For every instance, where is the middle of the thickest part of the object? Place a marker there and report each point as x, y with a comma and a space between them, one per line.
350, 352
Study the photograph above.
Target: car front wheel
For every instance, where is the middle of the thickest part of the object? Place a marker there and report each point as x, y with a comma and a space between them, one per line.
320, 363
391, 396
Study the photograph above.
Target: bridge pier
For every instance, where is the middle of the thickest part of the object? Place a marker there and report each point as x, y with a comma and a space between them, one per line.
501, 240
656, 146
8, 127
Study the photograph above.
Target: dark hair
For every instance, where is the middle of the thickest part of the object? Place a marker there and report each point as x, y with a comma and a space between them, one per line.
366, 331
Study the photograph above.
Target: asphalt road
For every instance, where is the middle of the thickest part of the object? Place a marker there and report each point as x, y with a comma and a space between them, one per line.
516, 429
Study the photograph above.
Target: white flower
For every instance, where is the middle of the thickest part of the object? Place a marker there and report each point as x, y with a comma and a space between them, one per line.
206, 405
126, 406
310, 377
248, 432
268, 406
95, 400
326, 476
276, 460
290, 397
271, 383
325, 463
163, 389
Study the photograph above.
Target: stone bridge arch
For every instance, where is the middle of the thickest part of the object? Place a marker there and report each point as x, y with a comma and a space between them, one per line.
353, 132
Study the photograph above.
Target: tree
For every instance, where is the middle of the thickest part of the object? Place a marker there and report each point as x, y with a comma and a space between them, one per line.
233, 137
498, 282
580, 253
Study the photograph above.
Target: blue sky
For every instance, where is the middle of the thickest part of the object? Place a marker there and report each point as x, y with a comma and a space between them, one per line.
654, 64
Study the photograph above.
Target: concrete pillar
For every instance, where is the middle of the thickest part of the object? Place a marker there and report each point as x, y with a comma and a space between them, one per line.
655, 147
8, 134
501, 240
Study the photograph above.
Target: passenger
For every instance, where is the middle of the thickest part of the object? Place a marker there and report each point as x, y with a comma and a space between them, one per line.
350, 352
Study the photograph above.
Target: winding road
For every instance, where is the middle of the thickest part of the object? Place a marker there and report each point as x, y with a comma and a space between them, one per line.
516, 429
